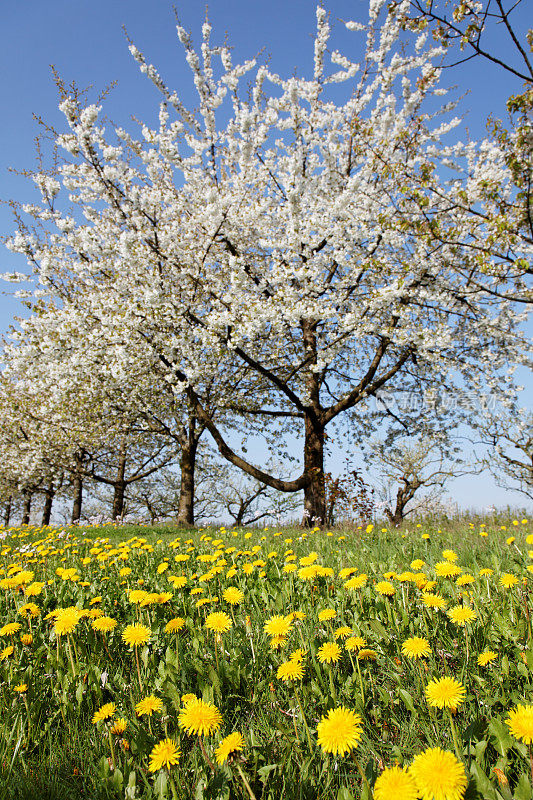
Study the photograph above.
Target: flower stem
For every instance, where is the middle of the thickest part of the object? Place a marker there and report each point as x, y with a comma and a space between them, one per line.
331, 684
310, 741
112, 748
172, 786
362, 774
247, 785
454, 735
360, 680
138, 668
204, 751
71, 658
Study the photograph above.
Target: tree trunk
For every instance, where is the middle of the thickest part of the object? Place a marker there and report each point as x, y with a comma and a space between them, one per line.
315, 491
186, 502
48, 500
333, 494
120, 482
77, 488
7, 512
404, 494
26, 508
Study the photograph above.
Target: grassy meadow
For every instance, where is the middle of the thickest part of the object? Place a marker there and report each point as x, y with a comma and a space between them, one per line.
141, 662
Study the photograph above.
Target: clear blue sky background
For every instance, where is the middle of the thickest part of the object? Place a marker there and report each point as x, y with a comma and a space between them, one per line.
86, 43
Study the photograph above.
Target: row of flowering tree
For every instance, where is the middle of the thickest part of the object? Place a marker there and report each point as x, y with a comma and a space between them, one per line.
271, 260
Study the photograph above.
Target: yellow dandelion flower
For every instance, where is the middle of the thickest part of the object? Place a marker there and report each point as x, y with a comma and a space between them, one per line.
231, 744
465, 580
6, 652
449, 555
343, 632
326, 614
21, 688
290, 670
339, 731
288, 568
308, 573
366, 654
386, 588
485, 658
200, 718
297, 655
395, 783
29, 609
10, 629
462, 614
233, 595
329, 653
66, 620
119, 726
347, 572
277, 626
164, 754
219, 622
507, 580
446, 569
433, 601
104, 712
438, 775
104, 624
136, 596
416, 647
174, 625
520, 722
178, 581
136, 635
148, 705
355, 643
445, 693
26, 639
357, 582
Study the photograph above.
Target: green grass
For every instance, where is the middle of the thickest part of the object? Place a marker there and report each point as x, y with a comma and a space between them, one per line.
50, 748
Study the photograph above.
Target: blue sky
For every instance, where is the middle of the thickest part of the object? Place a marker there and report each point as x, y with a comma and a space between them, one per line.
86, 43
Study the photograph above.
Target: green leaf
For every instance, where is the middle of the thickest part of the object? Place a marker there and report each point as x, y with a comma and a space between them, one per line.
500, 735
378, 628
483, 784
79, 693
131, 789
344, 794
265, 771
144, 656
160, 785
117, 780
102, 769
523, 788
407, 699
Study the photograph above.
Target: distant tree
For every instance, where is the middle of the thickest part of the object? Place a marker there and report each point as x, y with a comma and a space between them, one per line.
507, 437
413, 473
241, 500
